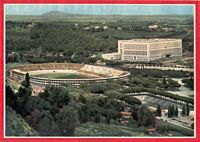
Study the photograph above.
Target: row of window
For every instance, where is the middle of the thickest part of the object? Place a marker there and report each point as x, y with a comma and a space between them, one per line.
128, 52
173, 51
165, 45
135, 46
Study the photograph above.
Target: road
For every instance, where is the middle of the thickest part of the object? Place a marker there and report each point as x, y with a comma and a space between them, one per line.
176, 122
142, 66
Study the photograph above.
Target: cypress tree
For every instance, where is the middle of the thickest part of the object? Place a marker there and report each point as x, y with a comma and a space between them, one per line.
176, 112
172, 110
188, 109
26, 82
169, 111
183, 111
158, 110
164, 82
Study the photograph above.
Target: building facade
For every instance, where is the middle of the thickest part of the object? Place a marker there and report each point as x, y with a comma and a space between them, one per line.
149, 49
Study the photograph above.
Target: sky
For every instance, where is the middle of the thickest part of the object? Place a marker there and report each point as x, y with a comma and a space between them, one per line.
101, 9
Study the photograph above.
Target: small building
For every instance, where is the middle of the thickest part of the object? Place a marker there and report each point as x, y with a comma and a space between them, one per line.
99, 62
166, 29
93, 56
119, 28
96, 27
31, 25
191, 115
153, 27
111, 56
164, 112
105, 27
36, 90
150, 130
126, 116
86, 28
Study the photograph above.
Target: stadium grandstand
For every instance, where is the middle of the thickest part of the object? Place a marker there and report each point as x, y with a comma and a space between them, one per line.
44, 74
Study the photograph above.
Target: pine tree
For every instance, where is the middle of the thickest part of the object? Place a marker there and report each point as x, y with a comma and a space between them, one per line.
82, 99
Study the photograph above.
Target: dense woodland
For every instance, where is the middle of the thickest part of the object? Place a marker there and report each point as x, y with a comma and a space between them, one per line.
62, 109
84, 41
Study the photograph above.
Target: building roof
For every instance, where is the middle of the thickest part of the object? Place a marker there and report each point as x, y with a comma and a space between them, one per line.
125, 113
153, 40
151, 129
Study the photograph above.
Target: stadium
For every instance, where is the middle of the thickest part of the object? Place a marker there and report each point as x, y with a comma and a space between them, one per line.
65, 73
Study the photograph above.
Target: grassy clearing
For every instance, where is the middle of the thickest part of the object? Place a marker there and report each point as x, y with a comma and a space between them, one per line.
62, 76
94, 129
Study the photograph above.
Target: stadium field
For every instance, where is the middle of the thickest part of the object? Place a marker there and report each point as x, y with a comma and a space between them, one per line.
62, 76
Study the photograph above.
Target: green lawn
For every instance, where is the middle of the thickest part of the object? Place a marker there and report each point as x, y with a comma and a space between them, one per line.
62, 76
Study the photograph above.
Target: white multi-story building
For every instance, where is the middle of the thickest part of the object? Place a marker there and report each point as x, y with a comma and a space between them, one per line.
149, 49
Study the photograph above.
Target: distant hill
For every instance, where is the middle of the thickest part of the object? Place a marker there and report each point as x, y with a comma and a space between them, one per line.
59, 15
63, 16
55, 13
